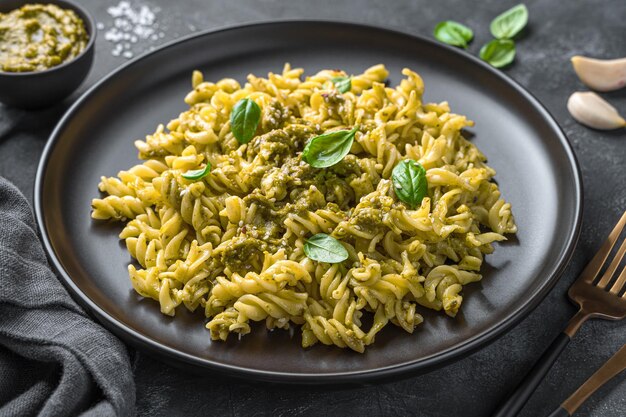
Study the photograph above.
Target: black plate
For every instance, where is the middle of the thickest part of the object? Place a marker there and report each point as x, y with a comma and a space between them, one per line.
537, 172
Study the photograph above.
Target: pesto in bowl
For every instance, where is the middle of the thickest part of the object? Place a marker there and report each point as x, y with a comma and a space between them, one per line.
37, 37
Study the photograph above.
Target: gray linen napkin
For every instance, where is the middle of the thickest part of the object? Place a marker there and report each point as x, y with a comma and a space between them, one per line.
54, 360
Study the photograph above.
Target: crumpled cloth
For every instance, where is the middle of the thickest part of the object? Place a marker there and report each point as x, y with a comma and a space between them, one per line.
54, 359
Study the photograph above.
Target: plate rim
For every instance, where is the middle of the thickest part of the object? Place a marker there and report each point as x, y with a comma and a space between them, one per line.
439, 359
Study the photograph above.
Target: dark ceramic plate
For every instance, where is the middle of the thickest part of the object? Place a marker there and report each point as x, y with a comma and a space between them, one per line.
537, 172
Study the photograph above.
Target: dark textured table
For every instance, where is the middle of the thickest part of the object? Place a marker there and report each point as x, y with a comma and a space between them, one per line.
472, 386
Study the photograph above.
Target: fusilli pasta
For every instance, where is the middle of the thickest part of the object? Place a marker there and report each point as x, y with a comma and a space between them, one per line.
233, 242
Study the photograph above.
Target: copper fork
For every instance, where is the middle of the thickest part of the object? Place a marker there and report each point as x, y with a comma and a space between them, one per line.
597, 298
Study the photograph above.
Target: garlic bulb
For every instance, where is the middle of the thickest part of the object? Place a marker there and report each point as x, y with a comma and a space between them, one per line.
592, 110
601, 74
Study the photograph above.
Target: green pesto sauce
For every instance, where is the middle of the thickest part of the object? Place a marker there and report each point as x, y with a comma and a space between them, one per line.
36, 37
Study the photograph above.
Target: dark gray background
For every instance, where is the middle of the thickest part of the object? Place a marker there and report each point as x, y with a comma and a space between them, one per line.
472, 386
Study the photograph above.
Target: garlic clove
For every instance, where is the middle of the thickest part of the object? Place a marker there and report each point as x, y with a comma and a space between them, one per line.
592, 110
601, 74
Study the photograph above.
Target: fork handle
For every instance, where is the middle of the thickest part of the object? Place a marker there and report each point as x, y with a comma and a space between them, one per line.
516, 401
559, 412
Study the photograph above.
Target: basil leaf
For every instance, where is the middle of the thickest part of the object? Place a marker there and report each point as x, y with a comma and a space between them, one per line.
343, 84
498, 52
453, 33
409, 182
326, 150
509, 23
198, 174
244, 119
324, 248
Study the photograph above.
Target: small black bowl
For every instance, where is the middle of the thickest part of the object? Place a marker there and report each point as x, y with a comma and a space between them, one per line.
38, 89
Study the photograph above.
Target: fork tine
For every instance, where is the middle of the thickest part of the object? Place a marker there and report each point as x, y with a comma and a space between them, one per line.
619, 284
613, 266
593, 267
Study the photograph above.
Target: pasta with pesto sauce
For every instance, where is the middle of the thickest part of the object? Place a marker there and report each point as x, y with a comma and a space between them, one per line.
232, 243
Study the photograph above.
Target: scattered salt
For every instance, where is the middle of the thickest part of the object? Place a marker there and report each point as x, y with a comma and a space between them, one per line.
132, 22
117, 51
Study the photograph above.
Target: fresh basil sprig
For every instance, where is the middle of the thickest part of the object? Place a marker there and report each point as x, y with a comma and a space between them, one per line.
244, 119
498, 52
453, 33
325, 248
509, 23
328, 149
409, 182
343, 84
198, 174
